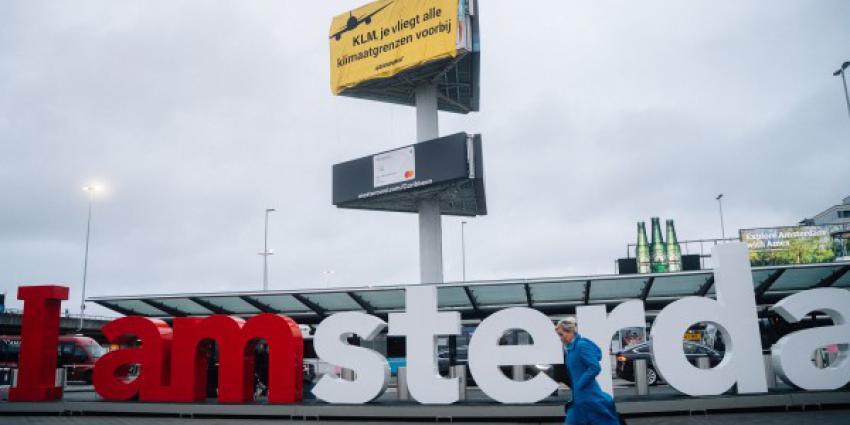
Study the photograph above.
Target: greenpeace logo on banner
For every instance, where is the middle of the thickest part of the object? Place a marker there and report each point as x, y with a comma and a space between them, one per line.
173, 371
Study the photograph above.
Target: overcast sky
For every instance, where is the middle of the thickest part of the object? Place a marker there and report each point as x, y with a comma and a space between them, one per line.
198, 115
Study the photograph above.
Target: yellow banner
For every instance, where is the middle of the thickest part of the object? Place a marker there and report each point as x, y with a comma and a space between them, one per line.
386, 37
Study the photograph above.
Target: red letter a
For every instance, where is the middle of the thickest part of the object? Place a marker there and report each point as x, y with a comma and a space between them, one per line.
39, 339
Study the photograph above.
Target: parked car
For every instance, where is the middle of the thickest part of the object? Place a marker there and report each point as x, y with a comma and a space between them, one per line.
76, 353
626, 360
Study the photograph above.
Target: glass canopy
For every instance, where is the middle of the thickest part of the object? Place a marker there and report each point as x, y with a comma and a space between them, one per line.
555, 296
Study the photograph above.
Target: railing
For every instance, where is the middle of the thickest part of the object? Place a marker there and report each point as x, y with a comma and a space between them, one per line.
65, 315
693, 246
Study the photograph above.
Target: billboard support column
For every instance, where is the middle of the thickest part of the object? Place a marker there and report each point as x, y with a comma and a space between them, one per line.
430, 241
427, 122
430, 220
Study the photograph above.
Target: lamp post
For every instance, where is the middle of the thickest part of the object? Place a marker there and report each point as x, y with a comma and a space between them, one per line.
720, 204
841, 72
91, 189
463, 248
266, 251
328, 276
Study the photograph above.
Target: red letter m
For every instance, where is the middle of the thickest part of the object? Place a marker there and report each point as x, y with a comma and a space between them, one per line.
237, 340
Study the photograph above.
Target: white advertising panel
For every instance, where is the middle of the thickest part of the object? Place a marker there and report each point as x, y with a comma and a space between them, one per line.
395, 166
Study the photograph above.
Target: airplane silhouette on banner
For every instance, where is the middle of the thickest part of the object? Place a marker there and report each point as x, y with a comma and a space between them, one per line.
354, 22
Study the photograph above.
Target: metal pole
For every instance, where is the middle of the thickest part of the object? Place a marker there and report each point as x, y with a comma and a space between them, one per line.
722, 226
463, 247
459, 372
90, 189
769, 372
518, 371
427, 120
641, 382
402, 391
61, 377
430, 220
266, 256
846, 94
266, 252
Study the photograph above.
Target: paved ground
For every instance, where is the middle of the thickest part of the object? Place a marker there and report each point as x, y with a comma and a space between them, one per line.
622, 389
825, 417
828, 417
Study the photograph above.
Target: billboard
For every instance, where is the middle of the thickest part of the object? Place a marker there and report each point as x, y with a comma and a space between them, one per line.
793, 244
449, 168
387, 37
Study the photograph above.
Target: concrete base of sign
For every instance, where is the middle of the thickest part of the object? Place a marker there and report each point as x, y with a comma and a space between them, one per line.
481, 410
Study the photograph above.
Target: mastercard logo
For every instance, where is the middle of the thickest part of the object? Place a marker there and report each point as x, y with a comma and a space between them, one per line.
408, 174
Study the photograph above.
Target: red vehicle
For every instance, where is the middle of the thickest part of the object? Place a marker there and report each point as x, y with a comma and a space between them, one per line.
75, 353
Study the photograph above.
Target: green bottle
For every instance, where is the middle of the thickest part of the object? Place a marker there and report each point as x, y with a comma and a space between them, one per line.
657, 250
642, 250
674, 251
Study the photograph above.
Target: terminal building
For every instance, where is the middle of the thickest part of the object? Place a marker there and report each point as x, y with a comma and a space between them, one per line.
837, 214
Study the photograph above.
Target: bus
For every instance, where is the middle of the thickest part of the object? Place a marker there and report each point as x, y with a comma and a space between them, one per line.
76, 353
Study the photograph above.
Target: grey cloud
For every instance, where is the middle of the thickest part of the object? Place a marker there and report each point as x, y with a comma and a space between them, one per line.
199, 115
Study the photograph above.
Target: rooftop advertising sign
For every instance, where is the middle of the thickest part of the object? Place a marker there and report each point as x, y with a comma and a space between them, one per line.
386, 37
792, 244
172, 371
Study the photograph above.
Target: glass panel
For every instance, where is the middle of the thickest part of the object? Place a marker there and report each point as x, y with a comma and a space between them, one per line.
185, 305
616, 289
677, 286
557, 291
798, 279
384, 300
282, 303
843, 282
513, 294
232, 304
137, 307
758, 277
452, 296
333, 301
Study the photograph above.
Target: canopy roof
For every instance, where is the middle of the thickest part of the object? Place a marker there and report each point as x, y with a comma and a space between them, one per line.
474, 300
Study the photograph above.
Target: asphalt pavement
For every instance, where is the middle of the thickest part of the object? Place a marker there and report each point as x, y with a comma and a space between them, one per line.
819, 417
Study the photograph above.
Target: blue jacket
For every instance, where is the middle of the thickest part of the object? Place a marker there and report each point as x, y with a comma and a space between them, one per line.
590, 404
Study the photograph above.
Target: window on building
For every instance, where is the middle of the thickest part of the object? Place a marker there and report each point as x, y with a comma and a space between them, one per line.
844, 214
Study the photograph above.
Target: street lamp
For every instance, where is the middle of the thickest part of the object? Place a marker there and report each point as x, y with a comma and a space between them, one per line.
266, 252
91, 189
328, 276
720, 204
463, 248
841, 72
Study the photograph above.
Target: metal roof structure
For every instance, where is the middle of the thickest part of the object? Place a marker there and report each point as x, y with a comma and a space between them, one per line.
475, 300
457, 80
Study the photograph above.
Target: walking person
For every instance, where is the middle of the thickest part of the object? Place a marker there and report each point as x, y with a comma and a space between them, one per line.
590, 405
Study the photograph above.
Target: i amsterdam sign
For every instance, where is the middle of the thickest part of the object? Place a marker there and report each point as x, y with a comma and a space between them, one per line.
173, 368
